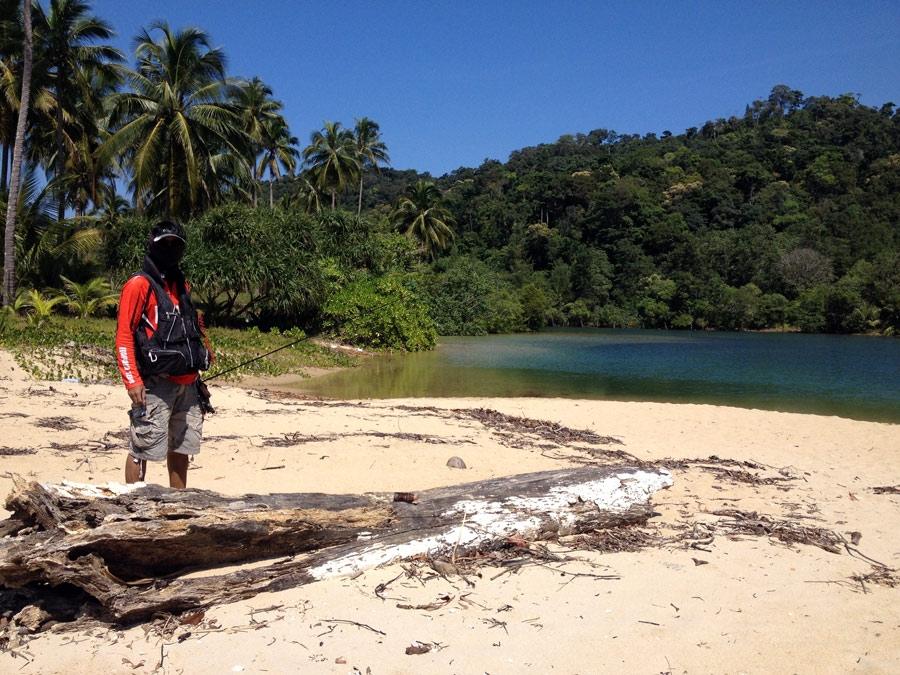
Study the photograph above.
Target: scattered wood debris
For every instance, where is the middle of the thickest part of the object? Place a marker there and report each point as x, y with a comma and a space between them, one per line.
785, 531
617, 539
355, 623
58, 423
442, 601
882, 576
6, 451
291, 439
548, 431
418, 648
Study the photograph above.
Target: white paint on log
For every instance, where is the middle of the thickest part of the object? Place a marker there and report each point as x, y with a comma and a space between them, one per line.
73, 490
482, 521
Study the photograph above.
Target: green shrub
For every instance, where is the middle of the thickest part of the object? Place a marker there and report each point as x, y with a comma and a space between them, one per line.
613, 316
808, 311
126, 243
577, 313
383, 312
504, 311
39, 306
773, 309
535, 305
89, 298
457, 296
682, 321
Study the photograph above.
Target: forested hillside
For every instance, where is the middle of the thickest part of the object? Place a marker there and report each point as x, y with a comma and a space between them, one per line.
788, 215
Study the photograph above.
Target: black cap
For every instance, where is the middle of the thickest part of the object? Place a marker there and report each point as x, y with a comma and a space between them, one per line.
167, 228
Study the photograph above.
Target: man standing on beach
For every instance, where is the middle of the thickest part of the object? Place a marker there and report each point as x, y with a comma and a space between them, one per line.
160, 348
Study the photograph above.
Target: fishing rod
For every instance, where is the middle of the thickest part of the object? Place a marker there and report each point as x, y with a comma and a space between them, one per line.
203, 391
257, 358
278, 349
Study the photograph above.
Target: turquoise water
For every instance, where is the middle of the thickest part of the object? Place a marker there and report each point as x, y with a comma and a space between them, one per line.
850, 376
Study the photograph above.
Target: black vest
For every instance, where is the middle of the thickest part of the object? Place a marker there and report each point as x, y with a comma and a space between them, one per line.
176, 346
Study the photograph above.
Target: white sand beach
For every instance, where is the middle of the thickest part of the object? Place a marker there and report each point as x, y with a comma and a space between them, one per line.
752, 604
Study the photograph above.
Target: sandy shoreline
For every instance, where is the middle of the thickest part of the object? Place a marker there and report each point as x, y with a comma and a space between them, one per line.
755, 606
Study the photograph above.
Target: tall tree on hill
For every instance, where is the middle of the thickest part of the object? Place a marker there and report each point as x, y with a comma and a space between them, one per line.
175, 128
256, 108
9, 256
332, 159
279, 149
370, 150
421, 215
74, 64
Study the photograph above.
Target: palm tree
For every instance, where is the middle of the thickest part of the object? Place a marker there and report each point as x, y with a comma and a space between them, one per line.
175, 128
88, 175
278, 148
39, 306
306, 196
331, 156
74, 64
256, 108
10, 85
421, 216
88, 298
46, 247
9, 256
110, 206
370, 150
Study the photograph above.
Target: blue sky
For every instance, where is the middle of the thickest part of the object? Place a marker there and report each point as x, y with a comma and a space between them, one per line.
453, 83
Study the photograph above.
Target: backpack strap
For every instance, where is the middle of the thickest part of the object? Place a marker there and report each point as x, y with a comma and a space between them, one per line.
162, 297
144, 318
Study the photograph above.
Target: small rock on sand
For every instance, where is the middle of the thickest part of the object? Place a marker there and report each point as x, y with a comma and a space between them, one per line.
456, 463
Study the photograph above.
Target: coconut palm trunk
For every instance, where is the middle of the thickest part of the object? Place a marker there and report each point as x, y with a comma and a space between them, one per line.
4, 167
254, 172
9, 250
370, 150
60, 158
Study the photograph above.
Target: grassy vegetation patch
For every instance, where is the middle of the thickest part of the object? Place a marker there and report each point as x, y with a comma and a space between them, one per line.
64, 347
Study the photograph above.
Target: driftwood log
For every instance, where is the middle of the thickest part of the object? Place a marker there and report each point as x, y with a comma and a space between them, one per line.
139, 550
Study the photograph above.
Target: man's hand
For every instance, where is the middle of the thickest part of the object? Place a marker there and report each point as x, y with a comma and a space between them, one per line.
138, 395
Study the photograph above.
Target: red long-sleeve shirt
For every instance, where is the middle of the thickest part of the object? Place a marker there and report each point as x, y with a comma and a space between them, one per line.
136, 294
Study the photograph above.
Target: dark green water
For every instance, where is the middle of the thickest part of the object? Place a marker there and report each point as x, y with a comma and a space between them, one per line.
850, 376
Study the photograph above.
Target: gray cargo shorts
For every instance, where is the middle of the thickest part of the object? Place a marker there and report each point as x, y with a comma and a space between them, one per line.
173, 422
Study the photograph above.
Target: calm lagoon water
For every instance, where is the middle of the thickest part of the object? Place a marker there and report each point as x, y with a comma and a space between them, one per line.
850, 376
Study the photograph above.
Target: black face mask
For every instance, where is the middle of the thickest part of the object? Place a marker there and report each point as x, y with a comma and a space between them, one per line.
166, 254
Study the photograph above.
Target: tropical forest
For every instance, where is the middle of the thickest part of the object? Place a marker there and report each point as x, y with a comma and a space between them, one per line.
786, 217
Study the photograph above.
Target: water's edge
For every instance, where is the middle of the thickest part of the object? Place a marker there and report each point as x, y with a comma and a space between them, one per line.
847, 376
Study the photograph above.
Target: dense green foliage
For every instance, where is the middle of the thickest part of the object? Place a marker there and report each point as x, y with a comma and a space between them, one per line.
281, 267
789, 215
381, 312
